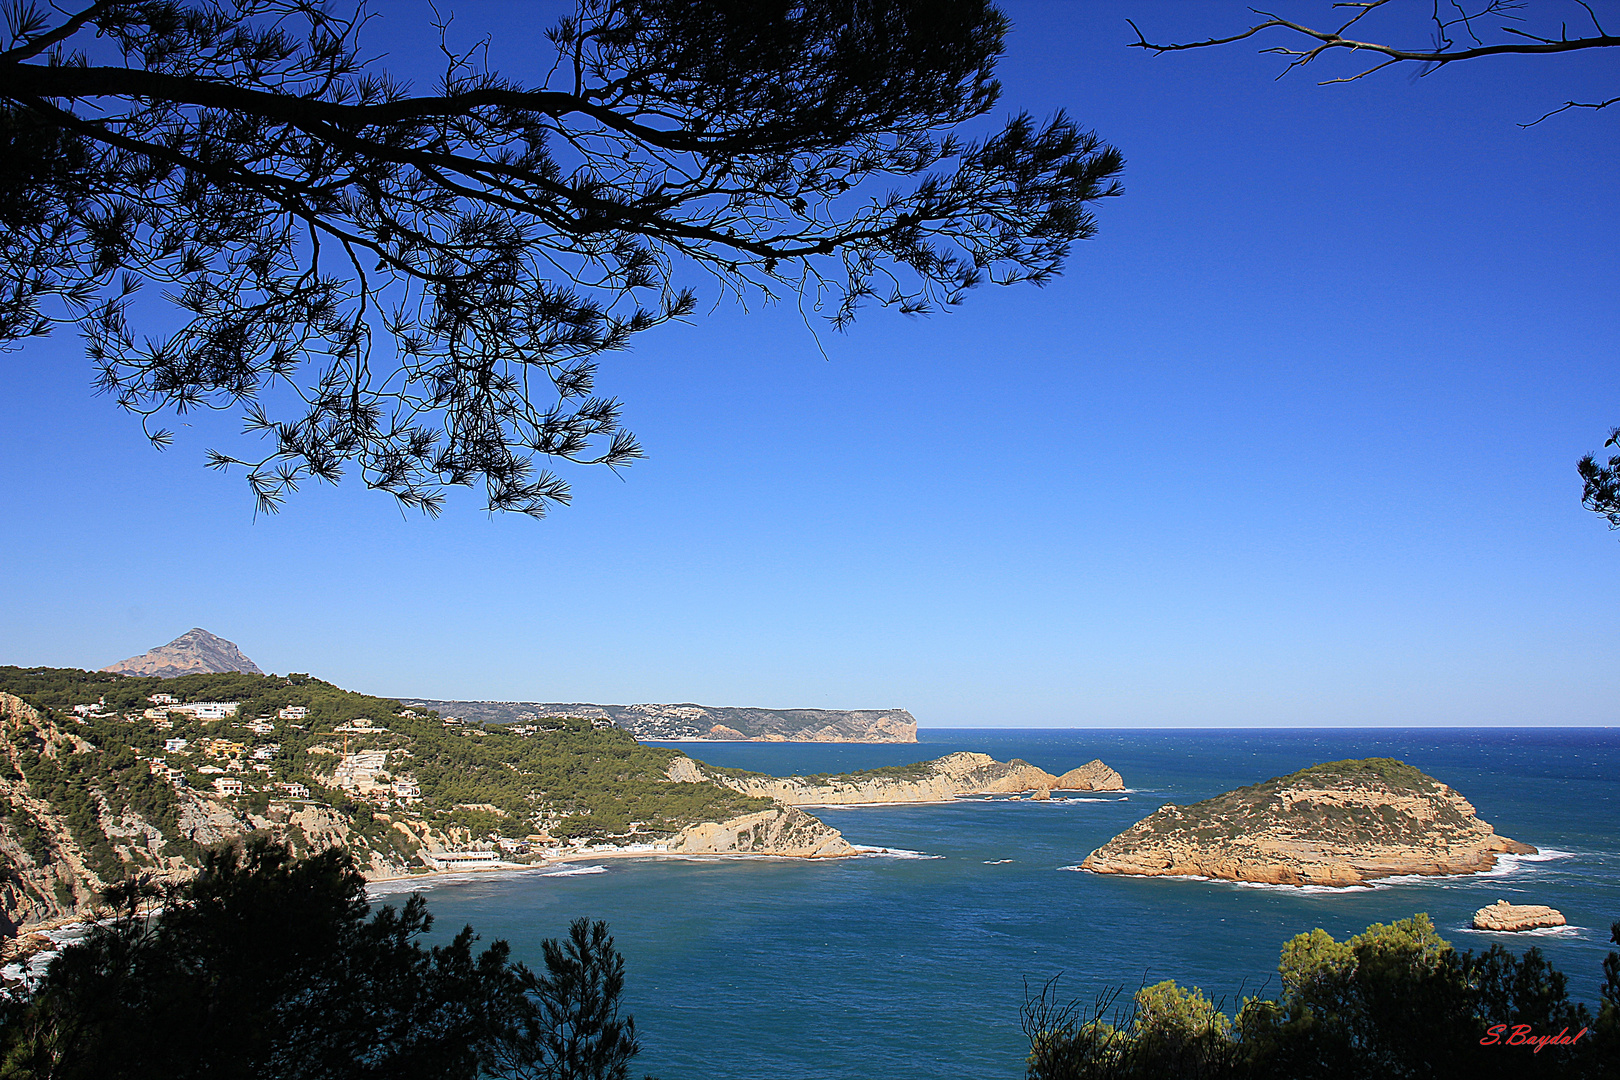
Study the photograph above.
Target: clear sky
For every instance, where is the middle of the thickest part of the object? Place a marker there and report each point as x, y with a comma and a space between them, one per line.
1291, 443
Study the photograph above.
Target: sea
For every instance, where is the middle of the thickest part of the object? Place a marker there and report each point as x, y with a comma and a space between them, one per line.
914, 959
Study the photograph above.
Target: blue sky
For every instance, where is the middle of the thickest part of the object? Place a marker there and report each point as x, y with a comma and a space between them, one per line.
1291, 443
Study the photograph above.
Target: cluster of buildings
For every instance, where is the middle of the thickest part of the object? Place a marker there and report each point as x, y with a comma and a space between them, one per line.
366, 774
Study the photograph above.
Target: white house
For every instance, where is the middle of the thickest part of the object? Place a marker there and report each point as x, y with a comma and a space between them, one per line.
227, 785
163, 699
213, 710
407, 789
295, 790
261, 727
293, 712
461, 860
266, 752
174, 746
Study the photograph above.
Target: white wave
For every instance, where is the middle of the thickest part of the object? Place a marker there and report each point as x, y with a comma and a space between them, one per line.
1578, 932
868, 851
1328, 890
574, 871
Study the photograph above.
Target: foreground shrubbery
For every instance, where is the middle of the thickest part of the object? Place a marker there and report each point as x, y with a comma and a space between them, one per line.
266, 965
1395, 1001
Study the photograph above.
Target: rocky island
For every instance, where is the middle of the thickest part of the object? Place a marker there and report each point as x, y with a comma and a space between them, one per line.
1340, 823
940, 780
1512, 918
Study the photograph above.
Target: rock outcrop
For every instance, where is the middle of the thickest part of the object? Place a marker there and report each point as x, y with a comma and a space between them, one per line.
786, 831
1342, 823
939, 780
1092, 776
196, 652
1515, 917
710, 722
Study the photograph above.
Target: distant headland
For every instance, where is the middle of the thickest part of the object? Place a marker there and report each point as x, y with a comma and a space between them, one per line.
685, 722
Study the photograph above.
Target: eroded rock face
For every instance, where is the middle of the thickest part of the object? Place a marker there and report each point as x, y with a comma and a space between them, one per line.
1515, 917
1343, 823
786, 831
940, 780
1092, 776
192, 653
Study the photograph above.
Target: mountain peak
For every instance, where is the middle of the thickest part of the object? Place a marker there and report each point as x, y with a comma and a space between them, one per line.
196, 652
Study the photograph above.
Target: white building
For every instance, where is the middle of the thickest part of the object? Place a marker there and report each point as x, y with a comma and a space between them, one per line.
295, 790
212, 710
407, 789
174, 746
163, 699
261, 727
293, 712
228, 785
266, 752
461, 860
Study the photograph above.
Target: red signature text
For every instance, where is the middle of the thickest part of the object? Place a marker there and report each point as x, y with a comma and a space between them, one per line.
1521, 1035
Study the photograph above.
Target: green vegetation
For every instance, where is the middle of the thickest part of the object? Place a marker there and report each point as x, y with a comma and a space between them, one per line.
1396, 1001
569, 779
321, 986
1261, 807
919, 770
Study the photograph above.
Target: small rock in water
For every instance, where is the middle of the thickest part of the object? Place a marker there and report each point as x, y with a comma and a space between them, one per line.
1508, 917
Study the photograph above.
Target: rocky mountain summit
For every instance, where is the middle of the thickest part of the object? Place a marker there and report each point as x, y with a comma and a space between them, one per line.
939, 780
709, 722
196, 652
1340, 823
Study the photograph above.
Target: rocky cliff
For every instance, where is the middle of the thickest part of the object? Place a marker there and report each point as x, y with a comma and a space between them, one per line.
929, 781
1341, 823
688, 721
788, 831
195, 652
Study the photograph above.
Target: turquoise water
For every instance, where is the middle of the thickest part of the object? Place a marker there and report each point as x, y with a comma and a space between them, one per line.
914, 964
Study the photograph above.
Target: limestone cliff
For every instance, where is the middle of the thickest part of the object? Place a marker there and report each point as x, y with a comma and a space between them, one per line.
929, 781
1342, 823
194, 652
787, 831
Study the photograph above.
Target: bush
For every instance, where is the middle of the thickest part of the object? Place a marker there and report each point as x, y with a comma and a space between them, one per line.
1394, 1001
266, 965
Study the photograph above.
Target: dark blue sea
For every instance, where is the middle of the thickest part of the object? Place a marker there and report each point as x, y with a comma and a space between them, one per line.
914, 964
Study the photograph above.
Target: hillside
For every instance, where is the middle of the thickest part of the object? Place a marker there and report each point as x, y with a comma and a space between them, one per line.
940, 780
1340, 823
196, 652
687, 721
103, 775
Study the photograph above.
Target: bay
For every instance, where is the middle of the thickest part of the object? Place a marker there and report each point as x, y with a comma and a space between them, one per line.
913, 960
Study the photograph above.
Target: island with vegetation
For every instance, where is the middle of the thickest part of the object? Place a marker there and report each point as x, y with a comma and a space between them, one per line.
941, 780
1341, 823
104, 776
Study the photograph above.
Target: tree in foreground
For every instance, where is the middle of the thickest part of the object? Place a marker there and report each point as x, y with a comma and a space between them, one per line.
419, 286
265, 965
1394, 1001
